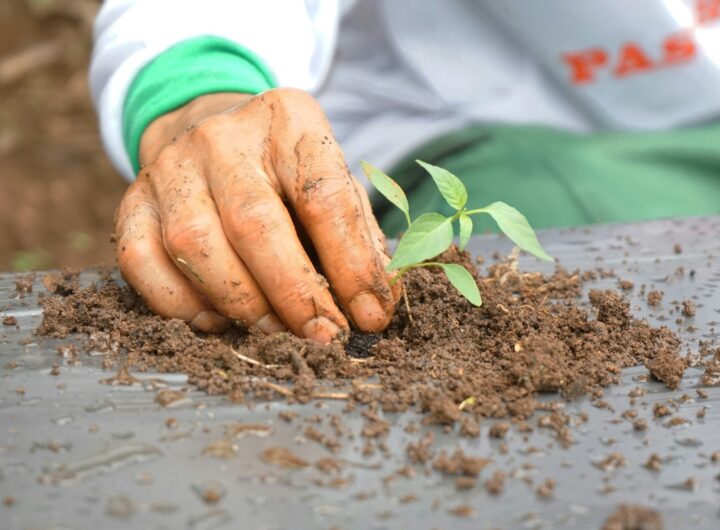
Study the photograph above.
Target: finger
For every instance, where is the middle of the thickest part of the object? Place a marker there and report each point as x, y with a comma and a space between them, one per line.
312, 171
194, 239
379, 240
147, 267
262, 232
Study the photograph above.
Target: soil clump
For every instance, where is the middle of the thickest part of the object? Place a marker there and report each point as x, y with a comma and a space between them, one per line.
634, 517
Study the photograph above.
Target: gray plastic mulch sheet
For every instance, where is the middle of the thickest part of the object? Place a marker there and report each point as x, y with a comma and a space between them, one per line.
75, 453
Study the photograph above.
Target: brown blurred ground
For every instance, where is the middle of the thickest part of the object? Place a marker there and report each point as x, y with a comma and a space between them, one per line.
58, 191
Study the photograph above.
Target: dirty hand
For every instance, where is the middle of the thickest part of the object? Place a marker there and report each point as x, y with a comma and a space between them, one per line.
213, 225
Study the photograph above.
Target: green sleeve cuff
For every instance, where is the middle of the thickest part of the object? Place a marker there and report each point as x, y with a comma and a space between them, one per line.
190, 69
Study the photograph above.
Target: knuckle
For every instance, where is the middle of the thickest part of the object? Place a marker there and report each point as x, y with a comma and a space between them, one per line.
255, 216
289, 97
222, 142
187, 236
296, 297
327, 199
134, 201
165, 161
134, 191
132, 252
293, 105
209, 131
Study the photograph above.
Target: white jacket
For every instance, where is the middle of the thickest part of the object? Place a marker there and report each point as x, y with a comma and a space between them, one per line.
392, 74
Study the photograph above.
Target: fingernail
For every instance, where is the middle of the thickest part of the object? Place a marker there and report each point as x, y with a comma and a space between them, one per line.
210, 322
367, 312
320, 329
270, 323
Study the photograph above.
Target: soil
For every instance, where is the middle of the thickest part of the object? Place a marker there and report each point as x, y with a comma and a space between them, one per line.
456, 363
688, 308
711, 377
462, 511
496, 483
654, 298
660, 410
459, 464
546, 490
654, 462
283, 457
633, 517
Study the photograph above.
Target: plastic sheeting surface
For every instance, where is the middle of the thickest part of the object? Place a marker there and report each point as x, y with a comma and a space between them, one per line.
78, 454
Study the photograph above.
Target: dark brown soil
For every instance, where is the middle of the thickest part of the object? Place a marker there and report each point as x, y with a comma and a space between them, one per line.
711, 377
654, 298
283, 457
496, 483
633, 517
460, 464
457, 363
688, 308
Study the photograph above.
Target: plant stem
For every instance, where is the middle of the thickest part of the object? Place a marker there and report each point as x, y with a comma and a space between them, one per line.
428, 264
407, 218
473, 212
403, 270
399, 275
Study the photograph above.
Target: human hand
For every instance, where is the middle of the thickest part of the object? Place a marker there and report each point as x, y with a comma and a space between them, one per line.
211, 229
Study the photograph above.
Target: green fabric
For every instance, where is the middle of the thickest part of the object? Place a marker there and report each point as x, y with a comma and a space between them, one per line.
558, 178
192, 68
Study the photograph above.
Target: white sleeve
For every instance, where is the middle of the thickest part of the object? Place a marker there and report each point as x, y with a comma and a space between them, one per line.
294, 38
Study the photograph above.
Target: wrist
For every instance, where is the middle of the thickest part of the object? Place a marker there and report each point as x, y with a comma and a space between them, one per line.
170, 126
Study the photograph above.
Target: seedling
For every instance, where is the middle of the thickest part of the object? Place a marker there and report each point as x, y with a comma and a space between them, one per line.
432, 233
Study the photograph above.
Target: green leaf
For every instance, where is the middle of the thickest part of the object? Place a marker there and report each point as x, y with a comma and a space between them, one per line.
449, 185
389, 189
428, 236
463, 281
516, 227
466, 226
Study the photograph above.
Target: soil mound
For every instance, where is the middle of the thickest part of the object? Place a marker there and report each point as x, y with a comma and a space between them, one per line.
454, 361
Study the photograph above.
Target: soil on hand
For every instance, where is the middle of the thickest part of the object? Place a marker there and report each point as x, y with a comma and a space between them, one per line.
455, 362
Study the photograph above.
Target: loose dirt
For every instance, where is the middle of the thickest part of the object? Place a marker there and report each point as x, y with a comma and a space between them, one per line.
633, 517
455, 362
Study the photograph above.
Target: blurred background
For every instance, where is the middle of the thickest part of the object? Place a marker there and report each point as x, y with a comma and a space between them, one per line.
58, 191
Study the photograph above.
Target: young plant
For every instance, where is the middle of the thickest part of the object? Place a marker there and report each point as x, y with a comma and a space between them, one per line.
432, 233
